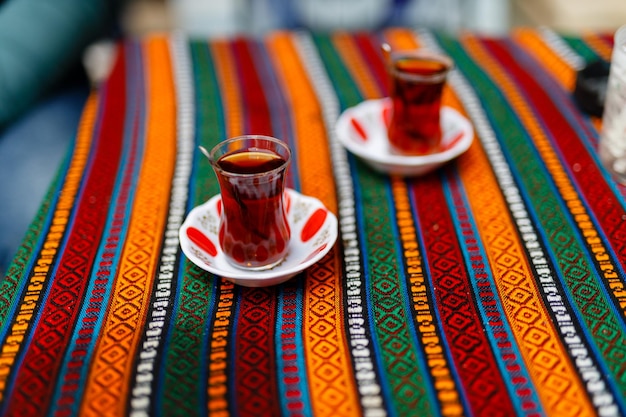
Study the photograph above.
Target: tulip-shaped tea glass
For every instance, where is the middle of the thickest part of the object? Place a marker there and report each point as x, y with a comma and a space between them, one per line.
254, 232
417, 81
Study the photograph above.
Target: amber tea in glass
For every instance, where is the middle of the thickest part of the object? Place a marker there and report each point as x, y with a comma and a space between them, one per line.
254, 232
417, 81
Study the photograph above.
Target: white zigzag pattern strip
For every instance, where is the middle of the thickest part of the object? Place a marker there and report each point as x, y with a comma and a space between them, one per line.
594, 380
142, 390
562, 49
366, 378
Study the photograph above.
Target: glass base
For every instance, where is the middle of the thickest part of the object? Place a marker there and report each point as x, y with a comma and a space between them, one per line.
257, 268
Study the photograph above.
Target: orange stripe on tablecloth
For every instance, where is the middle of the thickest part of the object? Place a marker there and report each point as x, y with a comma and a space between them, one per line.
217, 384
496, 226
401, 38
322, 296
41, 270
111, 370
311, 138
599, 45
533, 43
229, 86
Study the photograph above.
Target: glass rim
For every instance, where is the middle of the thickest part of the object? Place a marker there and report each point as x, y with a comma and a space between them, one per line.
420, 53
225, 144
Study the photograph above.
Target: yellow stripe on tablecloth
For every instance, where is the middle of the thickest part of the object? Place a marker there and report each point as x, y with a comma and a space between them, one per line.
497, 229
533, 43
322, 300
229, 83
62, 210
108, 381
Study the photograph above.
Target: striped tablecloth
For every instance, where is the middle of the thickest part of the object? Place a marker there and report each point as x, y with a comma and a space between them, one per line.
491, 287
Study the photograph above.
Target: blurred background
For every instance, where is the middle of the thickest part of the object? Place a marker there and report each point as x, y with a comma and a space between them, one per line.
492, 17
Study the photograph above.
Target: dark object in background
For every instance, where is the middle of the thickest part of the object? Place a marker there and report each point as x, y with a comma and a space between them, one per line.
590, 87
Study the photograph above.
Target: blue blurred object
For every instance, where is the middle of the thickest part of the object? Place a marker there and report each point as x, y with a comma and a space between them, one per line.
31, 152
42, 92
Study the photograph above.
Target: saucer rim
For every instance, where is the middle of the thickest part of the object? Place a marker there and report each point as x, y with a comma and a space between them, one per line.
275, 274
393, 162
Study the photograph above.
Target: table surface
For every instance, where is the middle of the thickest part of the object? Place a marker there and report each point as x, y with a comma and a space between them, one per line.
492, 286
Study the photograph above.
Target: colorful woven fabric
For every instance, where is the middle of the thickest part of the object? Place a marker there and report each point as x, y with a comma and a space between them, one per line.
494, 286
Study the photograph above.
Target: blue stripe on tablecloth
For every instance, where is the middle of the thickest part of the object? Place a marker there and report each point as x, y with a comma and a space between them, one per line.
295, 290
23, 282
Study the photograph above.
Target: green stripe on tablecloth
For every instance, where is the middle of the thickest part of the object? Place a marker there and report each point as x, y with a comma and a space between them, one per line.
581, 48
26, 251
186, 355
376, 232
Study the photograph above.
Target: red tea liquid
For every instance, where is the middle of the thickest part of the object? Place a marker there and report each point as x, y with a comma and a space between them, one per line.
254, 231
417, 84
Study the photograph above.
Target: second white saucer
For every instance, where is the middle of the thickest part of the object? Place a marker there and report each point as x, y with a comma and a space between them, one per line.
362, 130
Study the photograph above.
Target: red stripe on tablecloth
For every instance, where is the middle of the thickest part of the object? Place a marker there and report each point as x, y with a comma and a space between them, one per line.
35, 381
587, 175
370, 48
480, 376
256, 111
256, 383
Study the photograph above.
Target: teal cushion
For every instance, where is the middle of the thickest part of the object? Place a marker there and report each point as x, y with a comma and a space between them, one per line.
39, 41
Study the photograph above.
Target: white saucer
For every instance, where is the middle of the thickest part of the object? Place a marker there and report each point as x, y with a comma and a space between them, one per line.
362, 129
313, 234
